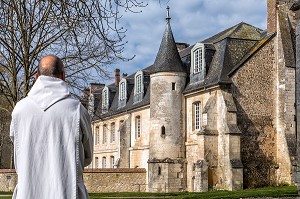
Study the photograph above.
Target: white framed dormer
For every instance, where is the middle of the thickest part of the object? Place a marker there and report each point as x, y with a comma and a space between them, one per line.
105, 99
122, 93
198, 59
138, 86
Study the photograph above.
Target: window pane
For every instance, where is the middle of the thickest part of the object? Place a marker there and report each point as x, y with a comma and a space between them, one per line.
122, 91
138, 126
104, 162
104, 134
197, 116
198, 66
112, 161
97, 135
112, 132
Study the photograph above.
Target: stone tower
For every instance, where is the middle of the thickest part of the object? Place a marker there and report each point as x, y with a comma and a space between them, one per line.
284, 66
166, 162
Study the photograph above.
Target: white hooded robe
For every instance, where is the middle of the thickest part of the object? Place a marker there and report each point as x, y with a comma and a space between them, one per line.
53, 142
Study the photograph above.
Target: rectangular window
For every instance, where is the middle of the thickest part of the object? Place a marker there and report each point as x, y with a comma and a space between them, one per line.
173, 86
112, 161
112, 132
104, 134
97, 135
197, 115
103, 162
198, 60
122, 91
138, 84
138, 126
96, 162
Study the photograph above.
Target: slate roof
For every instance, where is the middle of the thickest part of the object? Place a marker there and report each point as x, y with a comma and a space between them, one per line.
225, 52
167, 58
229, 47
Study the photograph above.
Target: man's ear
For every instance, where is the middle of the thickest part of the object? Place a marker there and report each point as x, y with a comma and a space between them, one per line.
63, 76
36, 76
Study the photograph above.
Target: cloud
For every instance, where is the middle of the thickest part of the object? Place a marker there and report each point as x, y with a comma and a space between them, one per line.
192, 21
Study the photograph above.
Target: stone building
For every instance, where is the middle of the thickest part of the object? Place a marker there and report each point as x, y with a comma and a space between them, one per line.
218, 114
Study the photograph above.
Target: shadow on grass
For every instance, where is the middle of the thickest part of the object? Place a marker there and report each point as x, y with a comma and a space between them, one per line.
275, 192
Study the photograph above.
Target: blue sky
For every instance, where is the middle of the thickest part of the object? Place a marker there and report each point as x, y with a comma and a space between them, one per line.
191, 21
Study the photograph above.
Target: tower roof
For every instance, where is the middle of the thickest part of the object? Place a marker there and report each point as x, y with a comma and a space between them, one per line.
167, 58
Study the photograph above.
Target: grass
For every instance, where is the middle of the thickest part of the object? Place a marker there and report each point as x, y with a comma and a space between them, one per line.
276, 192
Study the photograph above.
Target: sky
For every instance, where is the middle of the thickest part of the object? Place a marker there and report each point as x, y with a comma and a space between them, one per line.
191, 21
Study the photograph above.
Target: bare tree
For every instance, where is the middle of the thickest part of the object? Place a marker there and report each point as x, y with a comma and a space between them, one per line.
85, 33
6, 160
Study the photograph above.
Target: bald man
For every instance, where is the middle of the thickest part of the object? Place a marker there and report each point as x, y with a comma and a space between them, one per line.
52, 138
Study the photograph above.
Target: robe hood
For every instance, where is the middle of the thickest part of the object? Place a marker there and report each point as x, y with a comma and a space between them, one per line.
46, 91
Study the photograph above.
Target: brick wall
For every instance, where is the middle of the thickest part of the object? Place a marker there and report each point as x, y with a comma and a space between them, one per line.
96, 180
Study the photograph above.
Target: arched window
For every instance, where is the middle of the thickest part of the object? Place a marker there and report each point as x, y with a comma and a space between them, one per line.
138, 86
122, 91
197, 58
105, 99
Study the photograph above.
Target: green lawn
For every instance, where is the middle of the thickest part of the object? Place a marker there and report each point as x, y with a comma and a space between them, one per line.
285, 191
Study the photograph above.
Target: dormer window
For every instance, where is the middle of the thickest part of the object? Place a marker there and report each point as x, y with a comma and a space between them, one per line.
138, 86
197, 58
122, 93
105, 99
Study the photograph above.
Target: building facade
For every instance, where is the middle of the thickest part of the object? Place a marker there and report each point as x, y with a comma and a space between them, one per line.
218, 114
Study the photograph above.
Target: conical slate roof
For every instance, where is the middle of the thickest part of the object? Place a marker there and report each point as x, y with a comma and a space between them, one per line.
167, 58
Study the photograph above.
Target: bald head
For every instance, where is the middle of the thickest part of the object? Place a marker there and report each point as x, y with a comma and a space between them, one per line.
52, 66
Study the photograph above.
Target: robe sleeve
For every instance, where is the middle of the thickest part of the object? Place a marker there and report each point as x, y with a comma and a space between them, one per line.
12, 137
87, 136
11, 132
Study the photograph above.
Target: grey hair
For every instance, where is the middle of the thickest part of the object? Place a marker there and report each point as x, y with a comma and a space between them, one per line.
52, 69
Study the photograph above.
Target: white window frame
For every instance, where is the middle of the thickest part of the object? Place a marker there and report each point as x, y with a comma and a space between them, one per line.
97, 135
103, 162
105, 98
112, 161
138, 126
112, 132
104, 134
139, 83
198, 58
123, 90
197, 115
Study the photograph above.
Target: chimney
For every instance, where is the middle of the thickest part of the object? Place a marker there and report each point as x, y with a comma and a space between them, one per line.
96, 87
271, 16
124, 75
117, 76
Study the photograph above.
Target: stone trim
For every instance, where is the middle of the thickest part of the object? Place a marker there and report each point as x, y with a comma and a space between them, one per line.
116, 170
7, 171
107, 170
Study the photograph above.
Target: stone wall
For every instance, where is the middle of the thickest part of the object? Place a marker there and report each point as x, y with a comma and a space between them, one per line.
254, 98
96, 180
115, 180
8, 180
